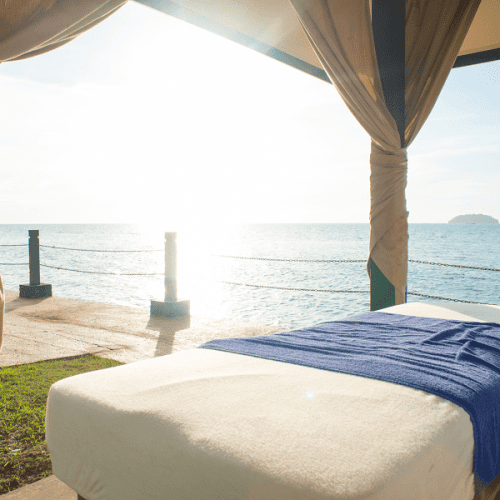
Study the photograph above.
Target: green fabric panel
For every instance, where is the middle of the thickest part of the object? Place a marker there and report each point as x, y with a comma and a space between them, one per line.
382, 293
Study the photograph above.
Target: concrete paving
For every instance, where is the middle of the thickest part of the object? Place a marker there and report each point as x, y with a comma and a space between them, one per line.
49, 488
55, 327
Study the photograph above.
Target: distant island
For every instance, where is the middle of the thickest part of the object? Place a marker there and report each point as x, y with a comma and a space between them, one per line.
473, 219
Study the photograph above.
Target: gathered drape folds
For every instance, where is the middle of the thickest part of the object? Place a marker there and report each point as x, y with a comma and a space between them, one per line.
389, 238
32, 27
435, 31
341, 34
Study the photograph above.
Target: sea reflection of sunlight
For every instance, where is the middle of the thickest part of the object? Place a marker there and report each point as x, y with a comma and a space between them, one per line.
198, 271
197, 268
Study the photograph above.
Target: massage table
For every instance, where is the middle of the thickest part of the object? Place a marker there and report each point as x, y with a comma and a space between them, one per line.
207, 424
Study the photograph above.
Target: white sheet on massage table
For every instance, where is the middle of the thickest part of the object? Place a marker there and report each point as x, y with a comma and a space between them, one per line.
205, 424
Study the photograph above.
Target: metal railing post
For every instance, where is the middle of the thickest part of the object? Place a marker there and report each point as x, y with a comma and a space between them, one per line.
35, 289
171, 306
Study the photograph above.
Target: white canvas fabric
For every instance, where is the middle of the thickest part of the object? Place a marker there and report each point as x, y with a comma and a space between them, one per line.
271, 26
484, 33
205, 424
32, 27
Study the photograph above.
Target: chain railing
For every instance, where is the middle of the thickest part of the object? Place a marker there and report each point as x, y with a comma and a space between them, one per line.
170, 306
286, 260
453, 265
356, 260
346, 291
324, 261
110, 251
350, 261
15, 263
294, 289
101, 251
102, 272
444, 298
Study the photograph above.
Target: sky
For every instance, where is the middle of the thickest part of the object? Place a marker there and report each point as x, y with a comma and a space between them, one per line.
147, 119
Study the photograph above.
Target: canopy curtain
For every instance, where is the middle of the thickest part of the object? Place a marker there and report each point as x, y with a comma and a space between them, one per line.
32, 27
341, 34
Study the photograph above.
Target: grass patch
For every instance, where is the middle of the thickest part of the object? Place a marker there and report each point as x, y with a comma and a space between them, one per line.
24, 389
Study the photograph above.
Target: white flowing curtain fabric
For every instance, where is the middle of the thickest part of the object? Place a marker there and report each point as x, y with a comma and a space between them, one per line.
32, 27
340, 32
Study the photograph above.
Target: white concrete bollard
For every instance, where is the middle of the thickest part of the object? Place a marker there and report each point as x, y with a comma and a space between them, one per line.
170, 267
170, 307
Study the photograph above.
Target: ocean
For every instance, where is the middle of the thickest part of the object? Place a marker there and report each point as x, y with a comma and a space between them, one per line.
201, 267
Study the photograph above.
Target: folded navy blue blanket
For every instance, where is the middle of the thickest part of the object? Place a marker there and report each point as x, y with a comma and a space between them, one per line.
457, 360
